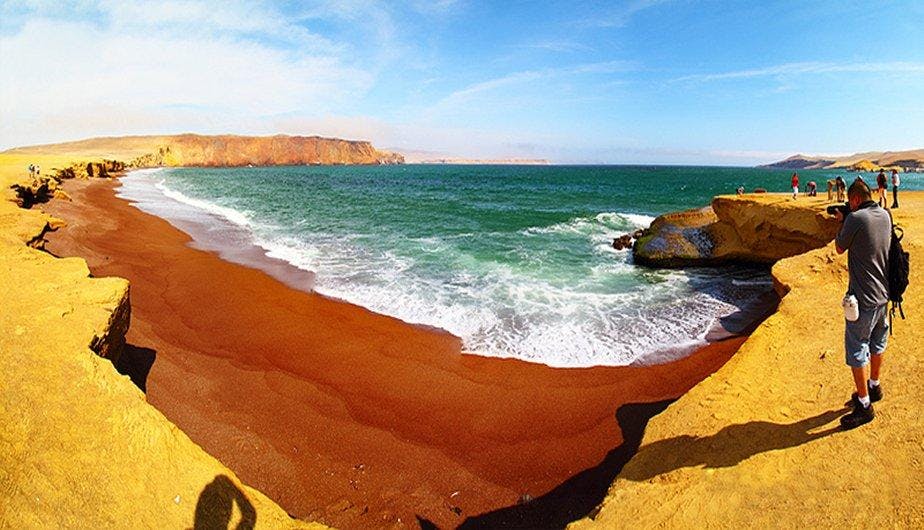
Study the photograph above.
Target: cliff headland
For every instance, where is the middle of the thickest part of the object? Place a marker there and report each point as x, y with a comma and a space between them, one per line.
220, 151
912, 160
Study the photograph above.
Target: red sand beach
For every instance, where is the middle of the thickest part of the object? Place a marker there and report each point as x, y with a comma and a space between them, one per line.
353, 418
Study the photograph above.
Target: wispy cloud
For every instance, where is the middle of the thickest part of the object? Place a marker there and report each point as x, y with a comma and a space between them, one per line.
561, 46
619, 15
437, 7
465, 94
808, 68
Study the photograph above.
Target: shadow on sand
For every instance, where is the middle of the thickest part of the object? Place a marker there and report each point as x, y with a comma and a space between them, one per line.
729, 446
580, 495
215, 506
136, 363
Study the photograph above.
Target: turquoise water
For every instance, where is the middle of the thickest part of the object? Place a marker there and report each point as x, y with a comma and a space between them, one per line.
516, 260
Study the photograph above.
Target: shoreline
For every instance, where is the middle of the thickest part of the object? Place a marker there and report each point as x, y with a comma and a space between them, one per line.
425, 420
230, 235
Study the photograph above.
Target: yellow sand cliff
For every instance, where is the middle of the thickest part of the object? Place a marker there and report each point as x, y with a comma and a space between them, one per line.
80, 447
757, 445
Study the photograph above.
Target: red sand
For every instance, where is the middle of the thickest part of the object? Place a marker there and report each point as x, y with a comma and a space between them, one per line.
350, 417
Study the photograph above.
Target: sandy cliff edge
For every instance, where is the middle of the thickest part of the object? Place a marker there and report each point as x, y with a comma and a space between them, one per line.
80, 445
756, 444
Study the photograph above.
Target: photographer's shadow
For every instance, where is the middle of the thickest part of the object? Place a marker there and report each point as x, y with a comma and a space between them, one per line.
729, 446
215, 507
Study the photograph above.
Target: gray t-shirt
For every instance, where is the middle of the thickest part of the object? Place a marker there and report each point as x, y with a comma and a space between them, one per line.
866, 235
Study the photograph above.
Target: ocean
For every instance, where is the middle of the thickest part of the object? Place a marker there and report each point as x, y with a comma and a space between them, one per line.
515, 260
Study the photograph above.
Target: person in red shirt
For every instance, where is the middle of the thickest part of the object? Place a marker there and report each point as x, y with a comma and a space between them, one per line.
795, 185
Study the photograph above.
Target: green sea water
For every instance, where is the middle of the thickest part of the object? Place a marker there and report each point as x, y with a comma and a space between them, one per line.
515, 260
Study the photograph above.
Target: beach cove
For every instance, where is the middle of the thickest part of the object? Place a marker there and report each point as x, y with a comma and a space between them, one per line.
405, 412
395, 421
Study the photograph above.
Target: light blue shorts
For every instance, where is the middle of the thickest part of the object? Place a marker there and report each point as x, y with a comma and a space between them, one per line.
867, 334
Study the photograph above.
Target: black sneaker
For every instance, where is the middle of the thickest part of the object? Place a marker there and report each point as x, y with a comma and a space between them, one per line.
874, 393
859, 416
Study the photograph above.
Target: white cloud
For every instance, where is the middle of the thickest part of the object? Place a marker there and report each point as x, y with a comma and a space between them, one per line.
802, 68
127, 67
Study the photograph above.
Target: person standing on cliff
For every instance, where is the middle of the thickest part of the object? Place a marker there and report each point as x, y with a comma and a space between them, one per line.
841, 188
795, 185
882, 186
896, 181
865, 235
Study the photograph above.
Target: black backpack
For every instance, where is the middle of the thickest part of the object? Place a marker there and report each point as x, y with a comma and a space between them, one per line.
898, 272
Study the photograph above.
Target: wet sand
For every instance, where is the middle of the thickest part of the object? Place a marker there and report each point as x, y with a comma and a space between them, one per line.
353, 418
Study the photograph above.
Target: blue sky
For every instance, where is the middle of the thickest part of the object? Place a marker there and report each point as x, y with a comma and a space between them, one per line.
637, 81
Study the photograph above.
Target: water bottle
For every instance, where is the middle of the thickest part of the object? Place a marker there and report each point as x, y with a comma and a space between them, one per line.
851, 308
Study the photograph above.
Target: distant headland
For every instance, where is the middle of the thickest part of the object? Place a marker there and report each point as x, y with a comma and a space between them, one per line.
910, 161
222, 150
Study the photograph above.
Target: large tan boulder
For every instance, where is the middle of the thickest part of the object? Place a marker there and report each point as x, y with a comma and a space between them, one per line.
759, 228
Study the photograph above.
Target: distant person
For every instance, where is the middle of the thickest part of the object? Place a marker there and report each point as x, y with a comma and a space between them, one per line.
795, 185
896, 182
882, 187
830, 190
841, 188
812, 189
740, 190
865, 235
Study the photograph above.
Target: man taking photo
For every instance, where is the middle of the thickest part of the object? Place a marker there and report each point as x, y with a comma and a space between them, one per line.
865, 235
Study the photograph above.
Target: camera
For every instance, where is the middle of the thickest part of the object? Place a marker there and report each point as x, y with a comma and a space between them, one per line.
843, 208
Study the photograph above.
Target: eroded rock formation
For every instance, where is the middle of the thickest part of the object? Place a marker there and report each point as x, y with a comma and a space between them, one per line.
747, 229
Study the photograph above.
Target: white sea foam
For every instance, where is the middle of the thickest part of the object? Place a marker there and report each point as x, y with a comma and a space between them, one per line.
603, 226
236, 217
640, 221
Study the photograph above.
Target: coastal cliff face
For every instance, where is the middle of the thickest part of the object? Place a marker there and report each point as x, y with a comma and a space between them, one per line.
80, 446
912, 160
757, 444
758, 228
222, 151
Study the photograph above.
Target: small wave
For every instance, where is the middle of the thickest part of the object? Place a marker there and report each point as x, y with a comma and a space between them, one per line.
230, 214
752, 283
641, 221
603, 226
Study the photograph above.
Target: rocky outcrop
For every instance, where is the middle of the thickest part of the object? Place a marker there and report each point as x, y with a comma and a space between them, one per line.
42, 188
758, 228
863, 165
